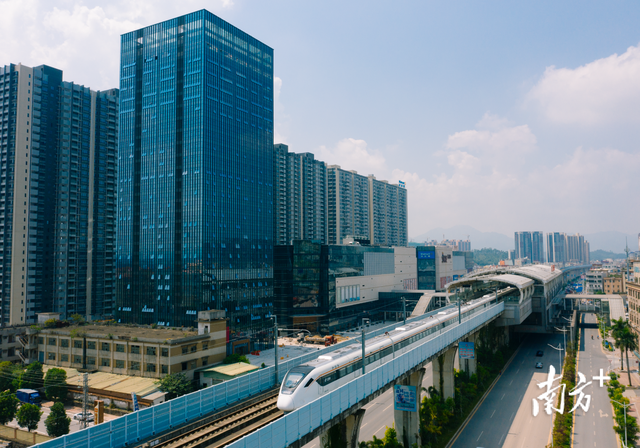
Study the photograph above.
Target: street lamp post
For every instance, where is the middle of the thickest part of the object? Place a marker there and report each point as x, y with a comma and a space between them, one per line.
559, 348
393, 346
564, 335
625, 406
571, 332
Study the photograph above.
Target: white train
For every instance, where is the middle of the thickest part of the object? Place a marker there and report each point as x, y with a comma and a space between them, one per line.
309, 381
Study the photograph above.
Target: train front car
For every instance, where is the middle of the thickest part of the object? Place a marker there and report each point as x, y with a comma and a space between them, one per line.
292, 390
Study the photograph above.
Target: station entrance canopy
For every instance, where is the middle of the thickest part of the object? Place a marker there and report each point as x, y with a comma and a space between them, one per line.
516, 291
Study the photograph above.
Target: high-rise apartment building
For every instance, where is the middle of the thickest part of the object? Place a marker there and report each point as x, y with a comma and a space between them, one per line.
563, 248
55, 242
365, 208
195, 160
530, 245
387, 213
348, 205
300, 195
85, 225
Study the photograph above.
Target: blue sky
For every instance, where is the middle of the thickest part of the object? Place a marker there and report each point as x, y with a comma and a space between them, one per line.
501, 115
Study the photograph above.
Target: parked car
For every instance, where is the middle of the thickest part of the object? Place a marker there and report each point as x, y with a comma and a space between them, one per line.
539, 353
538, 365
88, 417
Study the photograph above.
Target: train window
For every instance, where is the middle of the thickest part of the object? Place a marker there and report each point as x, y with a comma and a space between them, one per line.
309, 383
294, 378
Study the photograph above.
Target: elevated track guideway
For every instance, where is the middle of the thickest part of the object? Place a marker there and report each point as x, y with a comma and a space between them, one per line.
223, 428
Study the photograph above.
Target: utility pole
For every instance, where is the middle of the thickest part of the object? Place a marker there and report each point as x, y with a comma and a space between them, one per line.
275, 336
363, 355
85, 398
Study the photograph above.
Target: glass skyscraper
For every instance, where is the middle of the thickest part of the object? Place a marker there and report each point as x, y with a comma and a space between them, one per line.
195, 160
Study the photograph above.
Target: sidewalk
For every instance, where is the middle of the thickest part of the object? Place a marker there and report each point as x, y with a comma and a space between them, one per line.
633, 390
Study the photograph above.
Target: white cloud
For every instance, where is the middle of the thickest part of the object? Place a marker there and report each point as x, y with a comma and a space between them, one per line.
600, 92
352, 154
82, 38
281, 119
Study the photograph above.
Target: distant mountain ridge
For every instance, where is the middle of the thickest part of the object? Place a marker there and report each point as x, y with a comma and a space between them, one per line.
611, 241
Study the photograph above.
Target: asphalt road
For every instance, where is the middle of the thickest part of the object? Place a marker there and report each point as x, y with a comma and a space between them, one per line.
593, 428
505, 418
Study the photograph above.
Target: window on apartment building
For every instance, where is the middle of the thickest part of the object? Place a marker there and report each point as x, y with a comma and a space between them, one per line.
105, 347
77, 344
151, 351
52, 341
194, 348
135, 349
51, 356
135, 365
164, 352
64, 357
164, 369
194, 364
185, 350
205, 346
120, 348
184, 366
91, 345
119, 364
91, 361
77, 359
205, 360
105, 362
151, 367
64, 343
11, 352
40, 340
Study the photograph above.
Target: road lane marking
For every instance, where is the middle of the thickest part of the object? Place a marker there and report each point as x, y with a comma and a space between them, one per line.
502, 396
517, 371
364, 425
511, 383
494, 411
387, 407
479, 436
379, 430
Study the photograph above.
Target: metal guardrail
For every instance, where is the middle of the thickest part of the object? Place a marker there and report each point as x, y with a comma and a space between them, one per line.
146, 423
304, 420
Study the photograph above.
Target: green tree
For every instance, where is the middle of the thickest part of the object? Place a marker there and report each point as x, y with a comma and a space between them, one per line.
617, 329
29, 416
390, 438
234, 358
77, 319
9, 376
32, 377
57, 423
8, 407
50, 323
174, 385
628, 341
55, 384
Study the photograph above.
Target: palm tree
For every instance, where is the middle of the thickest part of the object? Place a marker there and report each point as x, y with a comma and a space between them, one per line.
628, 341
617, 329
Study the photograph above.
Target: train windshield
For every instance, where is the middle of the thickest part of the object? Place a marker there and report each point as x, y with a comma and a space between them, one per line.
294, 378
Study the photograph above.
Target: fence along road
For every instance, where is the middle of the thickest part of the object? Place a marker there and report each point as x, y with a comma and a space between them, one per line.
146, 423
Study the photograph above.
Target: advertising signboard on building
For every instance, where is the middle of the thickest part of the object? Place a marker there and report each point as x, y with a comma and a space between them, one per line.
405, 398
426, 255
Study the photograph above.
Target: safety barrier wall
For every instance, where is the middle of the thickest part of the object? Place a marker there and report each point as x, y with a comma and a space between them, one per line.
288, 429
147, 422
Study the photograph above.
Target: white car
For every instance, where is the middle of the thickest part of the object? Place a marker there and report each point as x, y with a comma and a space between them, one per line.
79, 416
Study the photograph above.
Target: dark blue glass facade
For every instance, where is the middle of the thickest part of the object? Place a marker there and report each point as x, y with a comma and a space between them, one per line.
195, 223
